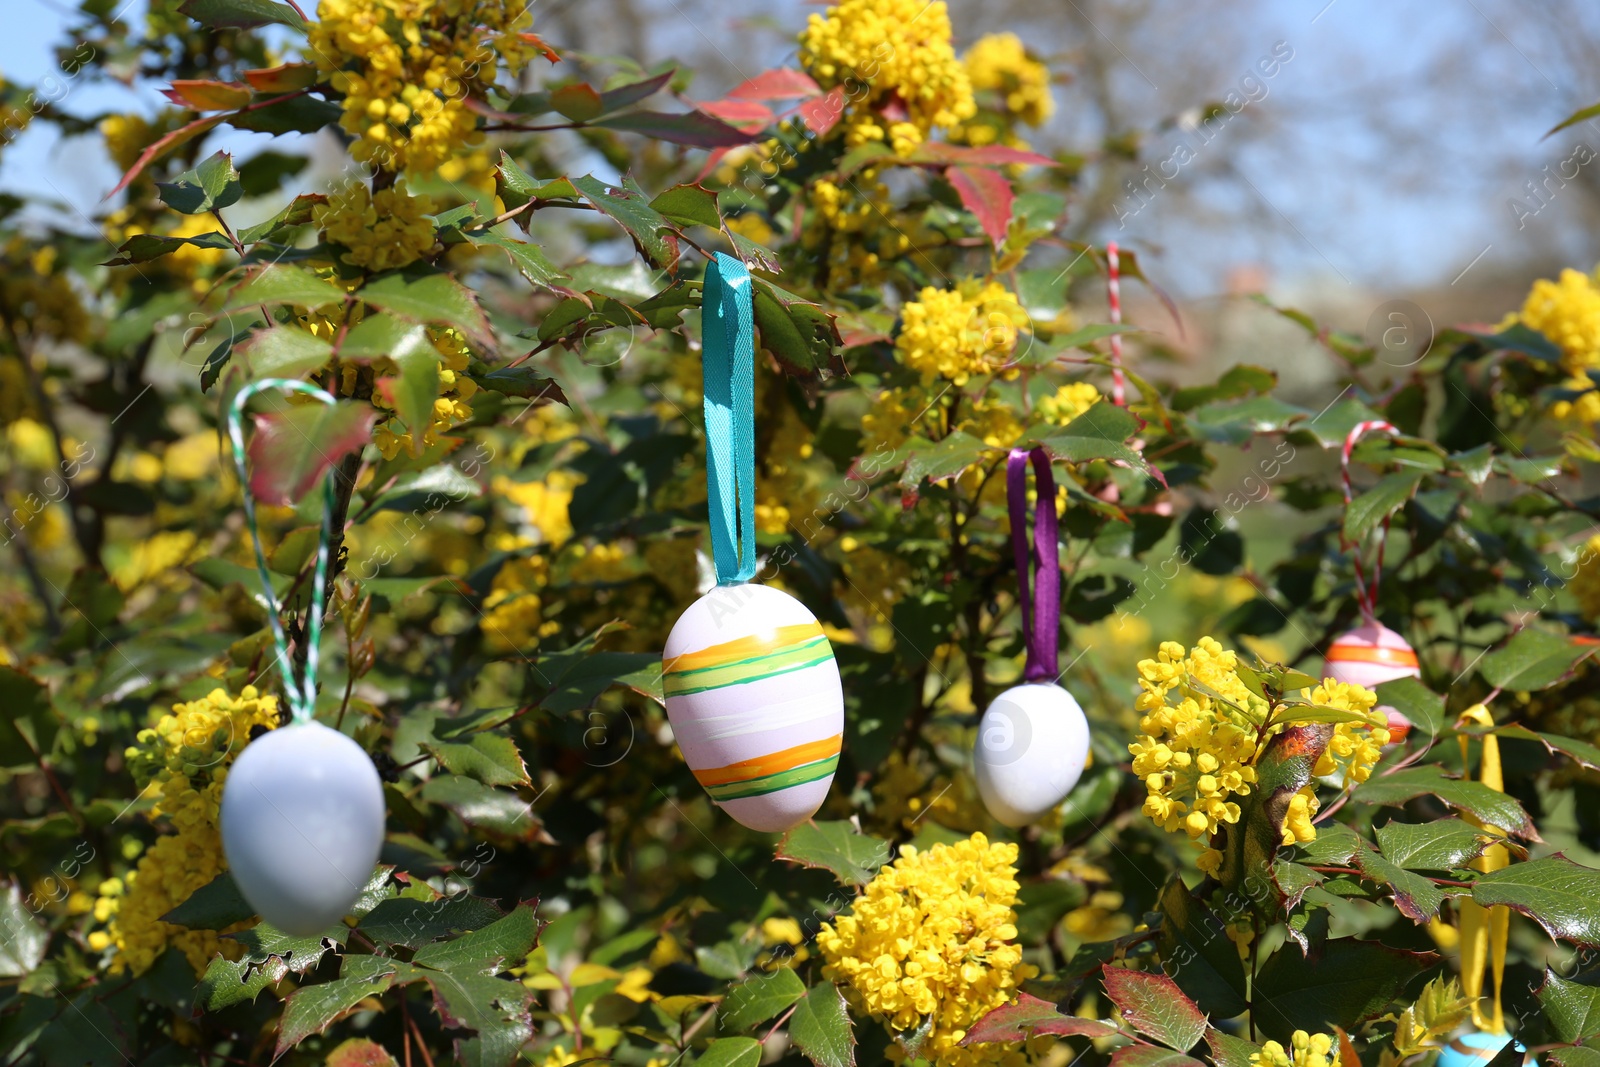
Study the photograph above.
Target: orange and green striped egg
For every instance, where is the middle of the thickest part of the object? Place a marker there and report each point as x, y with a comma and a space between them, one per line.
755, 702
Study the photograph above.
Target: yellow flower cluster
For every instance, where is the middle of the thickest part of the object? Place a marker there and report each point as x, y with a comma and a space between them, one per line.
932, 938
1201, 732
382, 231
896, 63
1585, 580
407, 67
1567, 312
544, 505
513, 620
184, 758
153, 557
784, 492
961, 332
853, 230
1068, 402
38, 300
999, 63
1306, 1050
451, 407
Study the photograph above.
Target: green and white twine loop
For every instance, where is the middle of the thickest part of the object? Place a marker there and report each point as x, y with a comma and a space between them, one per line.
301, 693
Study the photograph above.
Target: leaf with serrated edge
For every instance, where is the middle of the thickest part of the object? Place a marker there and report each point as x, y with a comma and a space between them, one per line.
312, 1009
293, 449
1030, 1015
1151, 1056
1571, 1008
490, 758
1533, 659
1441, 845
759, 999
731, 1052
1555, 892
1155, 1006
820, 1028
1474, 798
852, 857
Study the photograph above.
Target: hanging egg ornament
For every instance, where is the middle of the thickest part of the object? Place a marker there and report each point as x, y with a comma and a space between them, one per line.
755, 702
302, 825
1475, 1048
1033, 743
1368, 656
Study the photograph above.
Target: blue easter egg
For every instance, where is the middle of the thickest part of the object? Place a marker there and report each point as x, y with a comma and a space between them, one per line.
1476, 1048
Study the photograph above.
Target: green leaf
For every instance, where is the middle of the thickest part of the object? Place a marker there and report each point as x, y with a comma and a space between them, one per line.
820, 1028
759, 999
1098, 433
1235, 422
1151, 1056
1367, 511
1282, 770
691, 205
23, 939
312, 1009
1572, 1009
1417, 898
1416, 702
1335, 844
521, 381
937, 462
211, 186
1441, 845
1230, 1051
280, 283
411, 923
28, 726
144, 247
1581, 115
242, 14
1579, 1056
292, 449
837, 847
1476, 799
291, 113
693, 128
1555, 892
297, 214
487, 950
573, 679
1030, 1015
214, 906
1580, 752
1533, 659
496, 811
413, 392
731, 1052
227, 983
527, 257
1340, 982
577, 101
627, 204
285, 352
1291, 713
799, 334
490, 758
431, 298
1205, 966
1155, 1006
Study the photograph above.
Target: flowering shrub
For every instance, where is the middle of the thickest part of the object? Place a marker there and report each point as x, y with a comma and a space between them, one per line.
1253, 868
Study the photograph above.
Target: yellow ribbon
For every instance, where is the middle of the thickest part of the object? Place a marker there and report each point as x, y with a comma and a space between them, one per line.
1484, 931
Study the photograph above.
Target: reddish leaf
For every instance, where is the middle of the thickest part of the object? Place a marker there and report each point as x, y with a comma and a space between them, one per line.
785, 83
1030, 1015
1155, 1006
294, 448
693, 128
621, 96
360, 1052
284, 78
987, 194
988, 155
207, 95
578, 102
1151, 1056
748, 115
544, 49
822, 114
166, 144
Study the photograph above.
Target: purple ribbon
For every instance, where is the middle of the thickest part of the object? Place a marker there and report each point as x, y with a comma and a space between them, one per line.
1040, 604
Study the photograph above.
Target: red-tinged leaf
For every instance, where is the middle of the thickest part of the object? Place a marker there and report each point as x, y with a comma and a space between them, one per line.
544, 49
1155, 1006
284, 78
578, 102
750, 115
987, 194
1030, 1015
785, 83
208, 95
823, 113
359, 1052
693, 128
294, 448
1151, 1056
992, 155
621, 96
712, 159
179, 136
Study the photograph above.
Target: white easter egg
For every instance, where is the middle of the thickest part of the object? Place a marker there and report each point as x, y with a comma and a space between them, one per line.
755, 703
1032, 744
1368, 656
302, 824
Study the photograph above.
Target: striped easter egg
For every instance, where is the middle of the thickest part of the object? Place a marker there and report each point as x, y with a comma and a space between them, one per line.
755, 703
1369, 656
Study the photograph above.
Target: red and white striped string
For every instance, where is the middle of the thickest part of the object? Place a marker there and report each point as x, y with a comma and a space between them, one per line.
1114, 296
1366, 597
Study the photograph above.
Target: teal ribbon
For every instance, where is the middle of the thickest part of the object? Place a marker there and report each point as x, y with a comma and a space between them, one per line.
301, 693
728, 360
